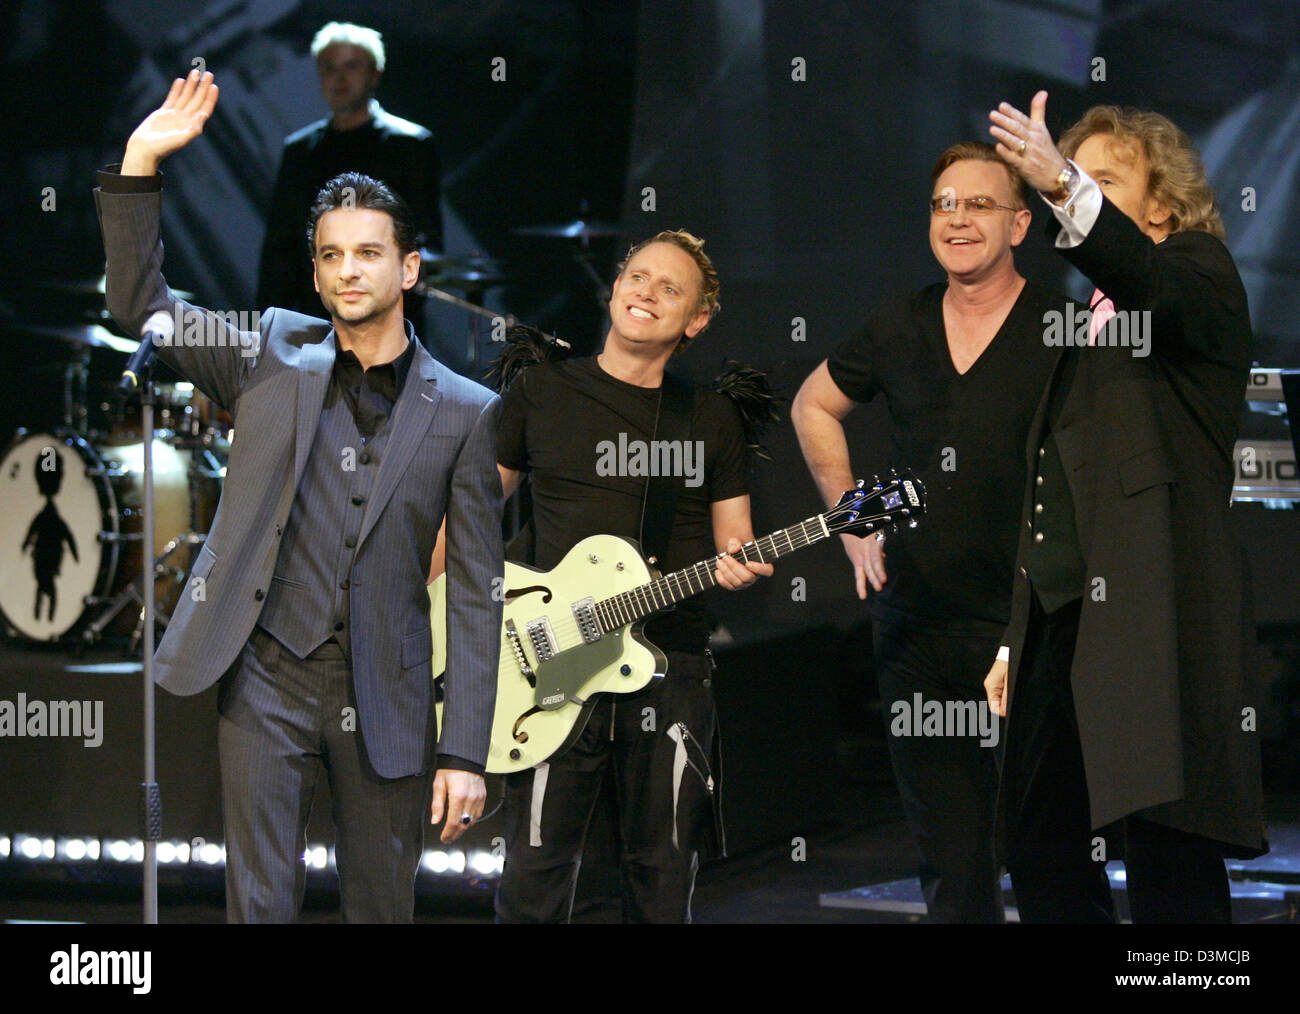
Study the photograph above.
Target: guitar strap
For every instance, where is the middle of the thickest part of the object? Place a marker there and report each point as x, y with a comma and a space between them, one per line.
672, 422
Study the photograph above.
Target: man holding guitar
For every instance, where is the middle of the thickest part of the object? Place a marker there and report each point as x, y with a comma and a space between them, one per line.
558, 423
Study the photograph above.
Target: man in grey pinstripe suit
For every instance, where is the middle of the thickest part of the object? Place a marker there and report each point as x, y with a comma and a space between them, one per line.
308, 600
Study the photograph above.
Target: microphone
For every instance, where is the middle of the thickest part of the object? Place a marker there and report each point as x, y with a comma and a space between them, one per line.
158, 330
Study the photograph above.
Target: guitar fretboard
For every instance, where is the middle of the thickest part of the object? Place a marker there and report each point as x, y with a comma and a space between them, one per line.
640, 602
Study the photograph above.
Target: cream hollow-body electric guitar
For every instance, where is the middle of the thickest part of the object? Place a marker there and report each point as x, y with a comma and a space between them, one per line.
575, 631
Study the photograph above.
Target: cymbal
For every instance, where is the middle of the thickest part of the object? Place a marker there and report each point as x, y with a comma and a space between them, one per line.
82, 334
90, 287
432, 260
579, 228
469, 279
75, 287
474, 262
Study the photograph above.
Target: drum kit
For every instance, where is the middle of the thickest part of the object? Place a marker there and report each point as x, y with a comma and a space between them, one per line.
71, 541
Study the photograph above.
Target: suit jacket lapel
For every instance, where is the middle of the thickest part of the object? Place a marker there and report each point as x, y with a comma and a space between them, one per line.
315, 364
411, 418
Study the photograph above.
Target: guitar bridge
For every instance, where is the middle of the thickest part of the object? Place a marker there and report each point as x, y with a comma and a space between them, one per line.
584, 614
542, 638
517, 646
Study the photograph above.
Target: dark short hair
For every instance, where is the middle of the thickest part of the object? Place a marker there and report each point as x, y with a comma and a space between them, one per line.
978, 151
357, 190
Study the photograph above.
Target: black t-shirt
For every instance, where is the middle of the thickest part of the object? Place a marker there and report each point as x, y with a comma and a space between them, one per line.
964, 436
567, 422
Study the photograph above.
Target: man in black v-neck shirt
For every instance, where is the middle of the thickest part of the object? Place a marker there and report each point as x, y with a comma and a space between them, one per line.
961, 365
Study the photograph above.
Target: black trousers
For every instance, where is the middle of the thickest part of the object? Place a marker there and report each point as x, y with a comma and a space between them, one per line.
948, 782
283, 722
1055, 857
659, 743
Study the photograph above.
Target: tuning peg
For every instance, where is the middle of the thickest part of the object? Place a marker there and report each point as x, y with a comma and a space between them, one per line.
912, 524
860, 483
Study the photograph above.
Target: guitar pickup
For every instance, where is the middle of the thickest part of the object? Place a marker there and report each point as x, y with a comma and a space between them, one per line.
584, 614
542, 638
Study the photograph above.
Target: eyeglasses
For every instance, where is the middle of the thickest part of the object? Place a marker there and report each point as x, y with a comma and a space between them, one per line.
974, 205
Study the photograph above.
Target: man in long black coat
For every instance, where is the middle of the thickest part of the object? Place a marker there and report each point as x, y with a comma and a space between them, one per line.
1131, 632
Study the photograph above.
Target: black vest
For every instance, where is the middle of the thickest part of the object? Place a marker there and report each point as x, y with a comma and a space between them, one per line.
307, 602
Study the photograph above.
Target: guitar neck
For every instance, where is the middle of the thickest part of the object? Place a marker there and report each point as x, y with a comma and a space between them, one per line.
647, 599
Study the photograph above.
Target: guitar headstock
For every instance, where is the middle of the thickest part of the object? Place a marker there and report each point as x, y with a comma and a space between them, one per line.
884, 506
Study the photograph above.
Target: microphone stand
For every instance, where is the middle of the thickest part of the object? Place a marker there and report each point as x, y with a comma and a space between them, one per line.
150, 794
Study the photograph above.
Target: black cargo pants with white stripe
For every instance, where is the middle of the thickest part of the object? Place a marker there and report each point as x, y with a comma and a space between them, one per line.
660, 742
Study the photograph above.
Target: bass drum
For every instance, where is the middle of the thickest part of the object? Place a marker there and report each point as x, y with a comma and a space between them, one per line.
71, 527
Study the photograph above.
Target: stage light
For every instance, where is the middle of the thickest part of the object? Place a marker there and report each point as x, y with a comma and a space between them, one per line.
119, 850
74, 849
212, 854
457, 859
486, 864
436, 860
5, 846
317, 857
47, 848
28, 847
166, 852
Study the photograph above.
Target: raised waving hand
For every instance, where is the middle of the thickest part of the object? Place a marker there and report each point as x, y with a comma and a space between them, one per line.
172, 125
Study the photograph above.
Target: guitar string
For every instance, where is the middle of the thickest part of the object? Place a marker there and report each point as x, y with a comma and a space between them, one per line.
644, 600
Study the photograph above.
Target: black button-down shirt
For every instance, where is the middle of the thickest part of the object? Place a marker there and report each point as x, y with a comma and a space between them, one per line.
369, 394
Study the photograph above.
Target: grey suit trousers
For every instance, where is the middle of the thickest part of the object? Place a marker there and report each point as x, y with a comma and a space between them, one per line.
284, 720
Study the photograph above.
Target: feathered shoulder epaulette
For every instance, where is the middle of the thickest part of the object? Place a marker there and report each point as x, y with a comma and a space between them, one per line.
758, 404
524, 346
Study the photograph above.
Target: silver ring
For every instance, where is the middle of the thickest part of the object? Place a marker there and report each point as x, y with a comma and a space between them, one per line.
466, 818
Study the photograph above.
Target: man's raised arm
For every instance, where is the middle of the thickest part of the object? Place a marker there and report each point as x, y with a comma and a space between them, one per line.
129, 205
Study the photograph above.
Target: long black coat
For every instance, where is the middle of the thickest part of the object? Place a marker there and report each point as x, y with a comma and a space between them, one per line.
1166, 642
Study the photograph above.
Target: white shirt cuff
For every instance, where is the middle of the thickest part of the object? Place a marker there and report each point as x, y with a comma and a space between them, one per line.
1004, 654
1079, 214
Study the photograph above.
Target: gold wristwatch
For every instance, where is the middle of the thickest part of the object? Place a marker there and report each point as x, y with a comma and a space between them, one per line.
1066, 184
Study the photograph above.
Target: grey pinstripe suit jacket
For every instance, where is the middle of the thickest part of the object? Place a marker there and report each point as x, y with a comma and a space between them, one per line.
440, 459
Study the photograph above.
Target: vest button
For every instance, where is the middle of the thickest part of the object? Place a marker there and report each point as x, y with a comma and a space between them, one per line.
259, 595
350, 542
345, 584
338, 626
357, 499
365, 457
